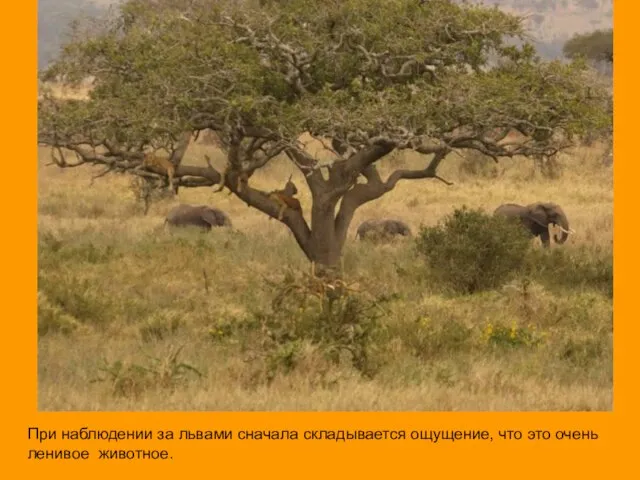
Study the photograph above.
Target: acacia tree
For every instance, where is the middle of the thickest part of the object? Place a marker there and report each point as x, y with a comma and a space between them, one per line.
371, 77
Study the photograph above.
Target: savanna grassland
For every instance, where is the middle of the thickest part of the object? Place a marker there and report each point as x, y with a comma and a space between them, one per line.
133, 317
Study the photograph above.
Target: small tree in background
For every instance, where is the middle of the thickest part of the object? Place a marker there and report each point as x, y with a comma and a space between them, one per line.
365, 78
596, 46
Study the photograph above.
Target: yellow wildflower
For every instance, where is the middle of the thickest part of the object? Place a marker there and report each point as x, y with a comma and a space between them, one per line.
514, 330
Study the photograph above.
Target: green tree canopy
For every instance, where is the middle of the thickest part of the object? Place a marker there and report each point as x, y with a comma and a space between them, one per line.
373, 77
596, 46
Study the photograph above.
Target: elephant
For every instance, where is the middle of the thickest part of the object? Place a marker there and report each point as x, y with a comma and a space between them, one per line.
184, 215
382, 228
537, 217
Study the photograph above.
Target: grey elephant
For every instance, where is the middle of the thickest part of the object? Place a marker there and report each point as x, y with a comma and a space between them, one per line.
378, 228
537, 217
202, 216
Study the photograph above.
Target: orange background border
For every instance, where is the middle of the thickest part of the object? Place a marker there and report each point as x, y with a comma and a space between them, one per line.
297, 459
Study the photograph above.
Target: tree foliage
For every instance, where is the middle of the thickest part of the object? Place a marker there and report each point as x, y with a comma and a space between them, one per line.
596, 46
372, 78
471, 250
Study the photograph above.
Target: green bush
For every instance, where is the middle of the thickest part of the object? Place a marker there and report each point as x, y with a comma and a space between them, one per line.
336, 321
471, 250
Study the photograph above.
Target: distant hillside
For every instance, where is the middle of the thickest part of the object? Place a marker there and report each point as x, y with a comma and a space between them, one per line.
551, 22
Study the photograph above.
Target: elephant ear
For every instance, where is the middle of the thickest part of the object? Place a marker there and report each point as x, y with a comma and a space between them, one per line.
552, 210
538, 214
210, 216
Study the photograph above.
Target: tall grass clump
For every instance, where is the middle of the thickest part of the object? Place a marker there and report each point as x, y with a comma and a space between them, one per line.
579, 267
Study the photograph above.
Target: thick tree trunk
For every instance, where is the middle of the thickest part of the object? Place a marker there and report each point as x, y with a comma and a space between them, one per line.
327, 260
324, 245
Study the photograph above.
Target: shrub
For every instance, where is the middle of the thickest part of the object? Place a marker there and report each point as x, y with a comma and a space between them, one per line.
471, 251
329, 316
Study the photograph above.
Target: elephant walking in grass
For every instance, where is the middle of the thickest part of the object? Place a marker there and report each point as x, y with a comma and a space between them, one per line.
384, 228
537, 217
202, 216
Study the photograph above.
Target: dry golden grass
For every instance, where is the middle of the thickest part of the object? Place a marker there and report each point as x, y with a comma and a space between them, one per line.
115, 287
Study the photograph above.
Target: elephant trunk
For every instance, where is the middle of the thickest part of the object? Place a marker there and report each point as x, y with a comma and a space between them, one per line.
564, 224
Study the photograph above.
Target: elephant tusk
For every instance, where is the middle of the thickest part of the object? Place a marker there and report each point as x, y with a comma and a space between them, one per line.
570, 231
